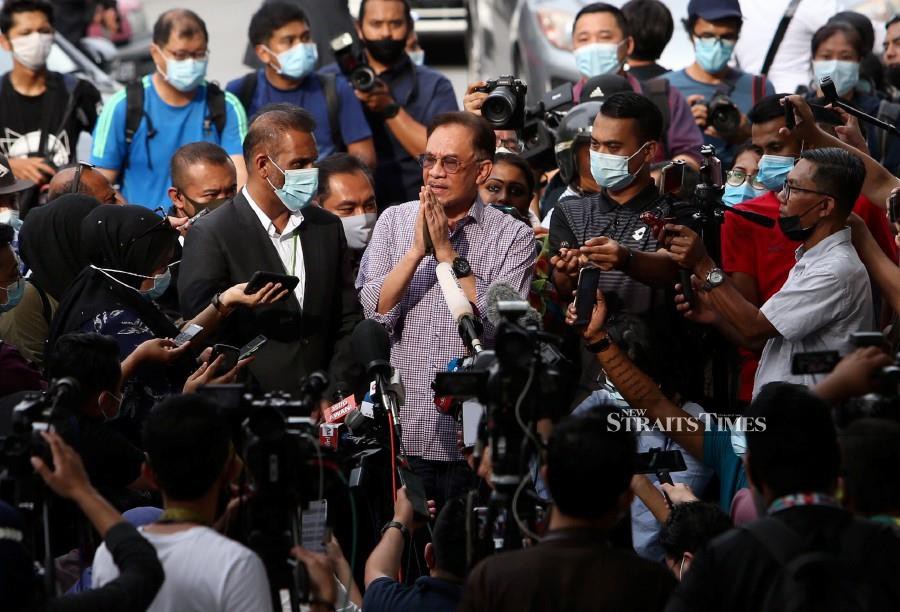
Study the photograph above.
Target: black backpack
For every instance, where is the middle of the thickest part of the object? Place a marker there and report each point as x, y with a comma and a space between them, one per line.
247, 89
815, 580
134, 112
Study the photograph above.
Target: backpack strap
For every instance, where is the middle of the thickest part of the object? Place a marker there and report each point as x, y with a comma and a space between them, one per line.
247, 89
134, 110
779, 36
215, 105
329, 87
45, 301
758, 89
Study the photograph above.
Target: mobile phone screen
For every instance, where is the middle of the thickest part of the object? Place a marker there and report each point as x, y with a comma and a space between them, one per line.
586, 294
315, 525
251, 347
187, 333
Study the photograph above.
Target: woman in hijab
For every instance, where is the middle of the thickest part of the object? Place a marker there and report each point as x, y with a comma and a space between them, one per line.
130, 249
50, 247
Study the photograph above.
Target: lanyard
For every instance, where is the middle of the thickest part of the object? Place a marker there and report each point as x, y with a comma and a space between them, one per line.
802, 499
294, 257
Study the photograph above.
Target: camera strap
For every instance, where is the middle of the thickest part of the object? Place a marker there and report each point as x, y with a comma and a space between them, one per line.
779, 36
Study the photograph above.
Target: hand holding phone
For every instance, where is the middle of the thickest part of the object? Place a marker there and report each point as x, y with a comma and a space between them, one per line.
187, 334
586, 294
260, 279
230, 355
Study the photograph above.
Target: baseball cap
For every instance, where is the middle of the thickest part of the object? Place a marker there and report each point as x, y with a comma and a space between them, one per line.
600, 87
8, 181
714, 10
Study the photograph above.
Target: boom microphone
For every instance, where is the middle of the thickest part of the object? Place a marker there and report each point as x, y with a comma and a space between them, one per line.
460, 309
372, 345
499, 295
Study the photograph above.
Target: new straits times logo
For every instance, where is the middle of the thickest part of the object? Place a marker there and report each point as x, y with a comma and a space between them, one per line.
636, 421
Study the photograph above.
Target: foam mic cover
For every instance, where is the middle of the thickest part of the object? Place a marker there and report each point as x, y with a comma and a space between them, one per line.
372, 346
501, 292
456, 300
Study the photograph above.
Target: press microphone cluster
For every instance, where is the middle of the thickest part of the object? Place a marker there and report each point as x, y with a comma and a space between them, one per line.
469, 326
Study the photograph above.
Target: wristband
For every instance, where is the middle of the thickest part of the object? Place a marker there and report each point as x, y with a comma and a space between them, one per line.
221, 308
600, 345
390, 111
396, 525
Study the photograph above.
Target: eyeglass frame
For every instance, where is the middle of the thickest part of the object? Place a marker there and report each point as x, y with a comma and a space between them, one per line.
787, 188
459, 165
76, 182
747, 176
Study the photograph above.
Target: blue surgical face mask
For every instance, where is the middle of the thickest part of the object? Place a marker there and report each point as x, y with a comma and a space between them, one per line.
299, 187
611, 171
298, 61
185, 75
712, 53
734, 195
417, 57
13, 294
739, 442
773, 171
844, 75
11, 218
598, 58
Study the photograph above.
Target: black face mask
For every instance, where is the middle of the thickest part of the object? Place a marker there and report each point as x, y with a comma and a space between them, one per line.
892, 75
386, 50
793, 229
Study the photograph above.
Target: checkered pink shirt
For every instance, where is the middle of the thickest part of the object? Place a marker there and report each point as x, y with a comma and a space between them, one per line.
424, 338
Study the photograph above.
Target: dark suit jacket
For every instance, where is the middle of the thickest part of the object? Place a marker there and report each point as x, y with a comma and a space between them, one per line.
227, 246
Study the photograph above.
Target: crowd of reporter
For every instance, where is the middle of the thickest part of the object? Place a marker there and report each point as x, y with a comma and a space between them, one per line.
742, 320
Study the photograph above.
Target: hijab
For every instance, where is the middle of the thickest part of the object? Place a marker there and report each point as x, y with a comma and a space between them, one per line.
123, 238
50, 242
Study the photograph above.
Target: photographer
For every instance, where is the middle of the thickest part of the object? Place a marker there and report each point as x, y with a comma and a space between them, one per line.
445, 556
140, 572
827, 295
718, 94
405, 98
574, 567
191, 459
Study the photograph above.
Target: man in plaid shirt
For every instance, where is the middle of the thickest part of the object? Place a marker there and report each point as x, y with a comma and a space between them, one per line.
398, 286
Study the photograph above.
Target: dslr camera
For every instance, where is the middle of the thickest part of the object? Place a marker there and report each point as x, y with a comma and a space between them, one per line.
504, 108
359, 74
722, 114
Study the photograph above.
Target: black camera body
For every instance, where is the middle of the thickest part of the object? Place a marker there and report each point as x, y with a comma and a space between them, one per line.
504, 108
358, 73
722, 113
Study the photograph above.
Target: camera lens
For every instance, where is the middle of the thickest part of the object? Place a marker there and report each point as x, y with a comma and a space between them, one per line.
499, 106
724, 115
363, 79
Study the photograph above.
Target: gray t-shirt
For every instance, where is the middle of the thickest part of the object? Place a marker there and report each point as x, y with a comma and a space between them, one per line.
827, 297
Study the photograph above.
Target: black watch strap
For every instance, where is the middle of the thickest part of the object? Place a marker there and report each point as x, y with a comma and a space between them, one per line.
396, 525
390, 111
600, 345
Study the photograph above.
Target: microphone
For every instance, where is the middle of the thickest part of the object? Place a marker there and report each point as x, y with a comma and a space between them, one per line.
829, 91
828, 88
470, 328
372, 345
501, 297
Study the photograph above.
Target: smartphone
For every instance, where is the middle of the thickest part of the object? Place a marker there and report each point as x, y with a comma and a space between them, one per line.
586, 294
230, 359
415, 491
789, 121
865, 339
671, 178
814, 362
251, 347
894, 208
314, 530
187, 334
657, 460
260, 279
200, 214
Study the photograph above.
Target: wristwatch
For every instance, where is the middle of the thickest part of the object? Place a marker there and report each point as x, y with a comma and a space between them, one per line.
390, 111
396, 525
714, 278
461, 267
600, 345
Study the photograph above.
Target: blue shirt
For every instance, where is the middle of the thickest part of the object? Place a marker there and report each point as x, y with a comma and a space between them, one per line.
741, 95
719, 455
309, 94
145, 177
432, 594
423, 93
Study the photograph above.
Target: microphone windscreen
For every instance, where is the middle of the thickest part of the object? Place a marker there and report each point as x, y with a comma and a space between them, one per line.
499, 292
456, 299
372, 346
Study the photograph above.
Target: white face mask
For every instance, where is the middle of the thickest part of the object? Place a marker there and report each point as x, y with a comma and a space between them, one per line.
358, 230
32, 50
9, 216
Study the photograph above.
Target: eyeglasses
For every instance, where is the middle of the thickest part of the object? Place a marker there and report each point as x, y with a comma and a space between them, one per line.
451, 163
511, 144
163, 224
786, 189
736, 178
76, 182
180, 56
729, 39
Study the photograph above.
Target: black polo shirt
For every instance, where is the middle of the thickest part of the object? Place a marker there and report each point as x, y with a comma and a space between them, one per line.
575, 221
432, 594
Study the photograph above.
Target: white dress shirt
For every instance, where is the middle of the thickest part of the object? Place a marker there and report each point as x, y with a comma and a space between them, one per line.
287, 244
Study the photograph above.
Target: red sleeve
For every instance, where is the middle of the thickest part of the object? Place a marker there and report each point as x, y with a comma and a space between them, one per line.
738, 246
877, 222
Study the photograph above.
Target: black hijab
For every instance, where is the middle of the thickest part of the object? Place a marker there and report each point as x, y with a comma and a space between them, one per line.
50, 242
124, 238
